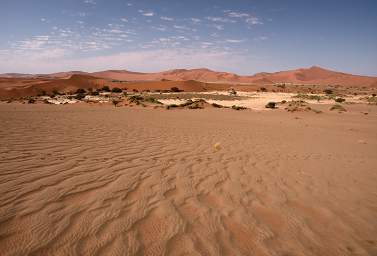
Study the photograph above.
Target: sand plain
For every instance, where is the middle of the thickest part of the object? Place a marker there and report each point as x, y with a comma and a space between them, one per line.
89, 180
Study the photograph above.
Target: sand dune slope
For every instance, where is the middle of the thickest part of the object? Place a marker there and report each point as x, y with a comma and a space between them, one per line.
79, 180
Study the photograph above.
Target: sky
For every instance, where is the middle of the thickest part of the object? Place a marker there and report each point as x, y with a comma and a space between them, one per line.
239, 36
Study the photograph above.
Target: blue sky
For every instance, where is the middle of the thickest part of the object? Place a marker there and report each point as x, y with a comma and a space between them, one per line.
241, 36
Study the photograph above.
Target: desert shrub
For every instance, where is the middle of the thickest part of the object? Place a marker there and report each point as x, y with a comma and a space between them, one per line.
232, 92
372, 100
42, 93
328, 91
308, 97
263, 89
80, 96
55, 92
31, 101
283, 102
135, 90
175, 89
340, 100
116, 90
105, 88
338, 107
152, 100
316, 111
171, 106
373, 95
135, 98
95, 93
187, 103
271, 105
195, 106
238, 107
115, 102
216, 105
80, 91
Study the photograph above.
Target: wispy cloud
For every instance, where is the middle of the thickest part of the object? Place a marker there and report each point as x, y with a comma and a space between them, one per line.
234, 41
220, 19
143, 60
166, 18
254, 21
195, 20
90, 2
237, 14
146, 13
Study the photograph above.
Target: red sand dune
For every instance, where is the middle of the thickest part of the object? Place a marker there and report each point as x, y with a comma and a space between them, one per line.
313, 75
16, 85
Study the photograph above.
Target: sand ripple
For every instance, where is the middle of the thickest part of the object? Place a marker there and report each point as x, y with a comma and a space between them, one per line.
105, 181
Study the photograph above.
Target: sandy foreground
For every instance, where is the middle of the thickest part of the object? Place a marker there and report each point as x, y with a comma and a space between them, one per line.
87, 180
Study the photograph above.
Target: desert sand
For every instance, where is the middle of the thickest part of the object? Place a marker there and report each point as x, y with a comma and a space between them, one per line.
89, 180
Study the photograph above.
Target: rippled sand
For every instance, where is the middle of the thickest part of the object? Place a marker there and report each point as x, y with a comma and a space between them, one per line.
83, 180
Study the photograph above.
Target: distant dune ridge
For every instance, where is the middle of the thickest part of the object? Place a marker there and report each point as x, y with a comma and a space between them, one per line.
15, 84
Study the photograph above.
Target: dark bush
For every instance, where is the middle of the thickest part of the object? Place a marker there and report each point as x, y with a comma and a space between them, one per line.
216, 105
105, 88
172, 106
115, 102
135, 90
42, 93
338, 107
116, 90
263, 89
373, 95
175, 89
80, 96
328, 91
271, 105
195, 106
55, 92
152, 100
340, 100
31, 101
80, 91
238, 107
